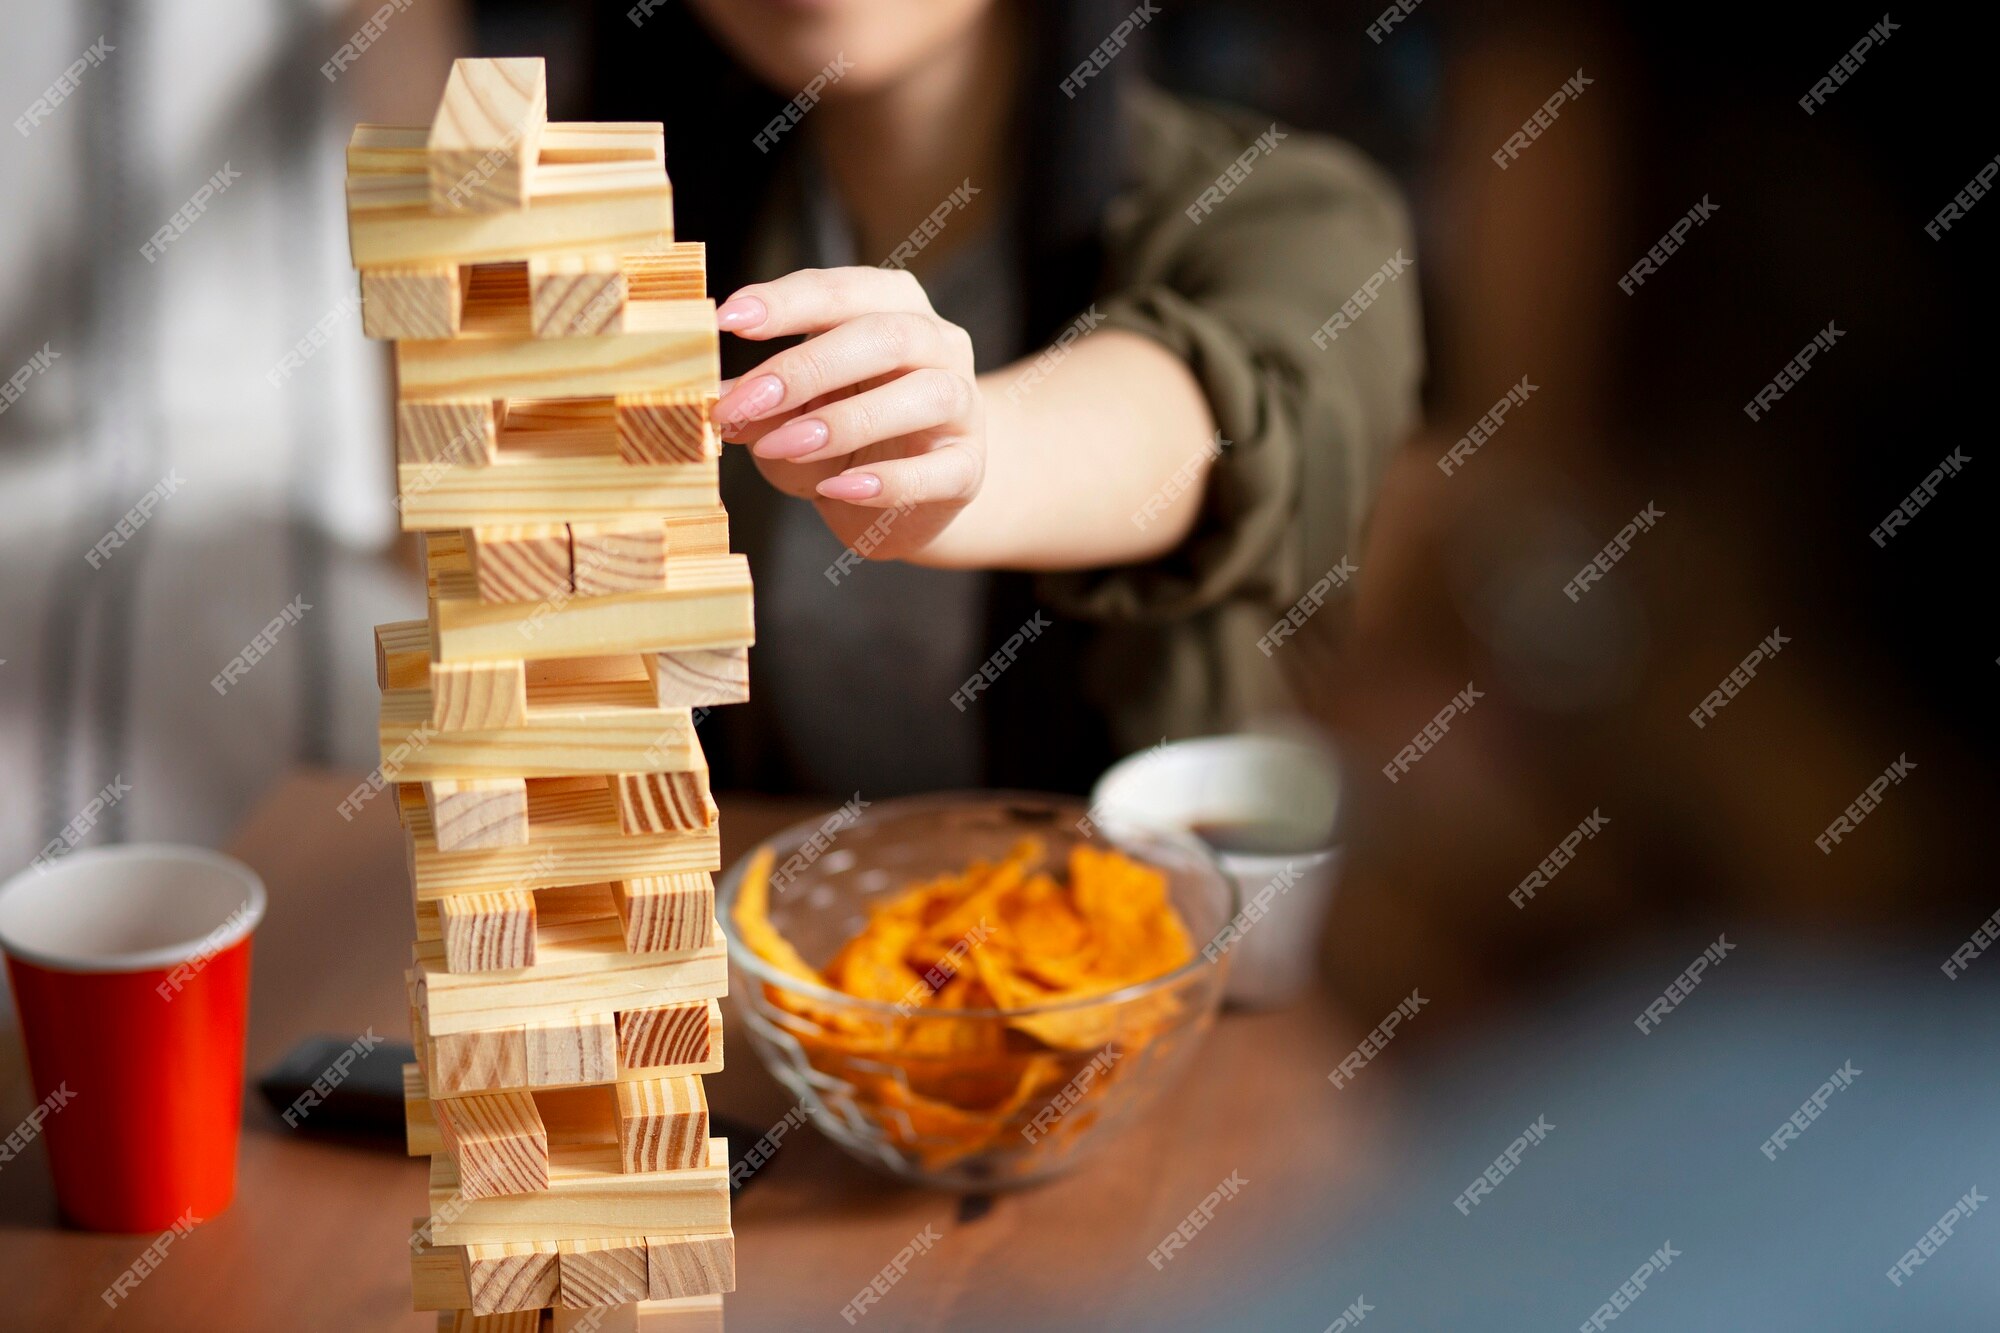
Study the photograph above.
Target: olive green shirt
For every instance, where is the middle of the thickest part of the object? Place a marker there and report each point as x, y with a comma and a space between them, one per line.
1233, 247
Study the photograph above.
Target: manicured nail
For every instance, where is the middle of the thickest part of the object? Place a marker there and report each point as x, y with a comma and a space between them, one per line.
750, 399
739, 313
794, 439
851, 486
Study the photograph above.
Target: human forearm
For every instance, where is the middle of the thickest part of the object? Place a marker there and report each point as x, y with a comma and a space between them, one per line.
1095, 461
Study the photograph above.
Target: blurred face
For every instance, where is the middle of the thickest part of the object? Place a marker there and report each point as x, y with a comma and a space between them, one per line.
787, 43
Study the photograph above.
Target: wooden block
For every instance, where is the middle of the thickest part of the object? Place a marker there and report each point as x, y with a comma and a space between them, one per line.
679, 272
420, 1129
575, 838
476, 696
601, 1272
485, 932
439, 433
690, 1314
525, 562
665, 347
706, 604
497, 1141
666, 427
469, 813
487, 134
465, 1321
573, 295
591, 204
618, 557
601, 1319
581, 973
698, 677
681, 1266
662, 1124
511, 1276
463, 1063
588, 1198
704, 532
690, 1042
672, 1035
437, 1272
375, 149
665, 913
568, 730
415, 301
662, 802
582, 1049
403, 654
579, 1116
557, 462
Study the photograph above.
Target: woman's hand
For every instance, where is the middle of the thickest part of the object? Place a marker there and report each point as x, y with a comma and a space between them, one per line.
877, 417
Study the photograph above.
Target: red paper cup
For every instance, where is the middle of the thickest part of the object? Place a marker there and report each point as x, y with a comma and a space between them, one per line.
131, 974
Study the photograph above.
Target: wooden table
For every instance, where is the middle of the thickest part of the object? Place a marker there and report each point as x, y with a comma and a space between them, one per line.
317, 1237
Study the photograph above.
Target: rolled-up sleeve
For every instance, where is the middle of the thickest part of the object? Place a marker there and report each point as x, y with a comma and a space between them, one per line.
1285, 281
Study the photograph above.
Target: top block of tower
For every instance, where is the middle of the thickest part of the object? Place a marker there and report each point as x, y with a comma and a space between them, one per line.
486, 135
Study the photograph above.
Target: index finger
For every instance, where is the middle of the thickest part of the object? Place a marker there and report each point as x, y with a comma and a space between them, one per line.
814, 300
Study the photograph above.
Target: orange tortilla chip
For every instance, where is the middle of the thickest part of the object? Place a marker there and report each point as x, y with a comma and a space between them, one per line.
1003, 935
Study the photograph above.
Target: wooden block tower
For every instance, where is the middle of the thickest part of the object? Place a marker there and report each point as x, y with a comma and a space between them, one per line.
557, 366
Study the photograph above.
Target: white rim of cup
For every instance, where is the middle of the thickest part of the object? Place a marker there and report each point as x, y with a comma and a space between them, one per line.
226, 932
1103, 798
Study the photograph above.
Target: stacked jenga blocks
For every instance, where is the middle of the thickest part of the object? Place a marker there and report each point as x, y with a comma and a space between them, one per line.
557, 365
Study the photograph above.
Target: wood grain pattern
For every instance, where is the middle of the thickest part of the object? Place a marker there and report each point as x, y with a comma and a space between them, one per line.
678, 272
682, 1266
698, 677
664, 802
512, 1276
574, 838
578, 1049
521, 562
403, 654
706, 604
470, 813
497, 1142
421, 1137
670, 427
665, 347
484, 932
410, 301
689, 1314
588, 1198
574, 295
486, 135
665, 913
437, 1272
610, 207
551, 480
465, 1321
375, 149
585, 728
662, 1124
581, 973
670, 1035
618, 557
601, 1272
442, 433
701, 532
482, 696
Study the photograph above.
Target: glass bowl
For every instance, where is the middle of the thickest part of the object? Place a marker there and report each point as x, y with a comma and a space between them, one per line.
966, 1099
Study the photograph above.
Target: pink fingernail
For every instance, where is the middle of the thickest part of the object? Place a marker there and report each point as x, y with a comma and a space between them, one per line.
794, 439
739, 313
851, 486
750, 399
